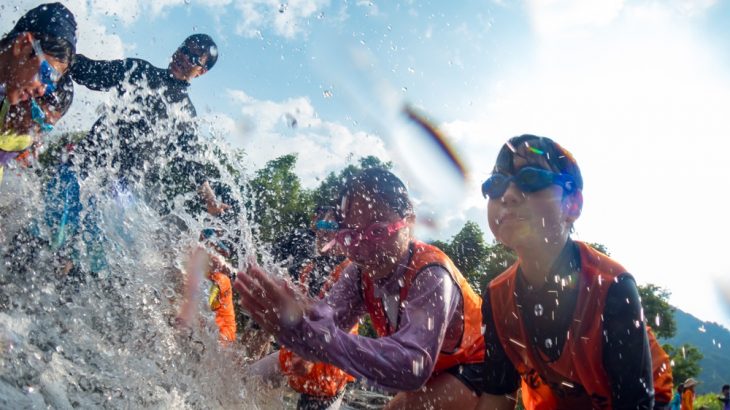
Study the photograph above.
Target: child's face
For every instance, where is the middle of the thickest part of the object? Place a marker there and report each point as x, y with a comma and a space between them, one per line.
323, 237
529, 220
25, 81
362, 215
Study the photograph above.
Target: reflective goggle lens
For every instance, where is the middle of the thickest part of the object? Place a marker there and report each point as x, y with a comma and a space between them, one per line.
324, 225
527, 179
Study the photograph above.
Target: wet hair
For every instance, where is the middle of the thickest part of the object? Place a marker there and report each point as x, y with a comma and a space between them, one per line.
55, 47
538, 151
204, 43
59, 100
382, 187
52, 25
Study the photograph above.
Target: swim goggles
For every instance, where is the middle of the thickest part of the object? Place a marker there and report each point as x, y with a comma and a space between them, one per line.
324, 225
48, 75
527, 179
376, 232
192, 57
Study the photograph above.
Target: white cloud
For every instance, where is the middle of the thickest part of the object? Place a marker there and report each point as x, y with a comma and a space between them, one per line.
569, 17
643, 108
269, 129
563, 15
284, 18
126, 11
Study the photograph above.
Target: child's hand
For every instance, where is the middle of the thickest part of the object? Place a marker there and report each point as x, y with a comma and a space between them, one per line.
216, 262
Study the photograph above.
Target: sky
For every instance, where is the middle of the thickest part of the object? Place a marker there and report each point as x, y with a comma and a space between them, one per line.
637, 90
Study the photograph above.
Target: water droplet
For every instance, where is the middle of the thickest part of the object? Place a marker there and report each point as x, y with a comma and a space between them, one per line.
657, 320
548, 343
417, 366
429, 324
283, 7
702, 329
327, 94
538, 310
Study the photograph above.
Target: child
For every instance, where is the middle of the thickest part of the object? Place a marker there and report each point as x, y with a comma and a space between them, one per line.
33, 57
688, 396
565, 320
426, 315
220, 297
676, 403
320, 385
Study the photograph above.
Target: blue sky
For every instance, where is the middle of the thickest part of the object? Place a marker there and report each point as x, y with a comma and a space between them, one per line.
639, 90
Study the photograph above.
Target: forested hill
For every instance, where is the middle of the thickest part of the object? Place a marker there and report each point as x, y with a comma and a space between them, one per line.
713, 340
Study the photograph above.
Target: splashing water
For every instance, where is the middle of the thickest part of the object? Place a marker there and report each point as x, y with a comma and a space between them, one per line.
106, 337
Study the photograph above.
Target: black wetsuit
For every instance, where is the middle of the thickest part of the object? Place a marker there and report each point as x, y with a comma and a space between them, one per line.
548, 313
152, 124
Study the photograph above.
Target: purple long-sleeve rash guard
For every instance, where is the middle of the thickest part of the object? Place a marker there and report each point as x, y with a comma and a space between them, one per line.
430, 321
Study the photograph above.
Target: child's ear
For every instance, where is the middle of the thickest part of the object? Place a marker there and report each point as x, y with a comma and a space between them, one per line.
574, 205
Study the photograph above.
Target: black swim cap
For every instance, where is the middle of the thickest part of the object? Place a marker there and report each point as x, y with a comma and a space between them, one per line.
52, 19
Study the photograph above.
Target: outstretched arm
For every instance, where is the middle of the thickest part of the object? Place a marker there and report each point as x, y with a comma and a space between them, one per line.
402, 361
626, 354
98, 75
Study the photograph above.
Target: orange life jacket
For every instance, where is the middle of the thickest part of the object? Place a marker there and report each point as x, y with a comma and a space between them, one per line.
225, 316
581, 362
471, 347
323, 380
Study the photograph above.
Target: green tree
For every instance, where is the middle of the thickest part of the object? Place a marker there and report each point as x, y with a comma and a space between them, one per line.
599, 247
685, 361
468, 252
280, 203
499, 258
658, 312
444, 246
708, 401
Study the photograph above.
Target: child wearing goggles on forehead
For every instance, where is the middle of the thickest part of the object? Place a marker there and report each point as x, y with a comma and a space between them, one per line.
564, 323
429, 346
